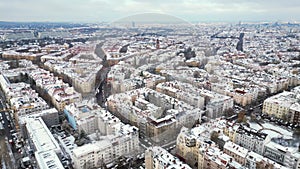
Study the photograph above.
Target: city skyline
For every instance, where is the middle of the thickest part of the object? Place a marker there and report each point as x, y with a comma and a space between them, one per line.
109, 11
128, 84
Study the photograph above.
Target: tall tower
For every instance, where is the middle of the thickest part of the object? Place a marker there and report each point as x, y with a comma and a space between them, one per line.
157, 44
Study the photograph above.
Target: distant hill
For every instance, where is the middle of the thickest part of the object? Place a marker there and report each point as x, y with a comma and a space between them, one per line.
151, 18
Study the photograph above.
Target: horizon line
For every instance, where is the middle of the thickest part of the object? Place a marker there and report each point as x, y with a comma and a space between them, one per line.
194, 21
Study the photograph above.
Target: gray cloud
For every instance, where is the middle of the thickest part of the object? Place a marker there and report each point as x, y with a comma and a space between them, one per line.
108, 10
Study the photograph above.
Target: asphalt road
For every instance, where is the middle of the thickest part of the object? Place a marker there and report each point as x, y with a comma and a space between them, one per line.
8, 125
5, 149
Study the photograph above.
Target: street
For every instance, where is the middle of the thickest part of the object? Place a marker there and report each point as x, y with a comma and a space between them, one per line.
7, 159
11, 154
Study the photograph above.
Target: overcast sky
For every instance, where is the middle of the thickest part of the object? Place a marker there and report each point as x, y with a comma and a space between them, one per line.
111, 10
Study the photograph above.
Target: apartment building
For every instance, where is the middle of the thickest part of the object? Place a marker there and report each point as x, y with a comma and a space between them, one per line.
284, 152
46, 148
21, 55
238, 153
212, 157
49, 116
251, 139
125, 141
48, 160
188, 143
59, 93
156, 114
25, 100
91, 118
159, 158
80, 71
256, 161
214, 103
181, 91
241, 95
230, 130
62, 96
295, 113
283, 105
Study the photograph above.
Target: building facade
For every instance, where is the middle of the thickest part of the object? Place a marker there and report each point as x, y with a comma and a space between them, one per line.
159, 158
